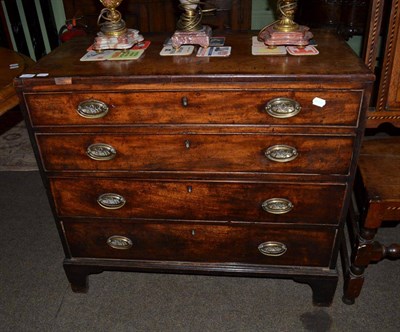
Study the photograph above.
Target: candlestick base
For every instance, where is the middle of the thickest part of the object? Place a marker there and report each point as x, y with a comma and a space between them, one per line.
200, 37
125, 41
272, 37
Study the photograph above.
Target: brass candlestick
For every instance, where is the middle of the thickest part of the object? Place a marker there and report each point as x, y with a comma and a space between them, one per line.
287, 9
190, 19
113, 32
113, 24
189, 27
285, 31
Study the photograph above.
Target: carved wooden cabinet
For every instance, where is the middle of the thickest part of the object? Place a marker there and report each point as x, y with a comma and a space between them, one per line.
382, 55
200, 165
347, 17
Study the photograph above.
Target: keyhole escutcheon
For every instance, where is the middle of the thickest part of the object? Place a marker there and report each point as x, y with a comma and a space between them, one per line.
187, 144
184, 101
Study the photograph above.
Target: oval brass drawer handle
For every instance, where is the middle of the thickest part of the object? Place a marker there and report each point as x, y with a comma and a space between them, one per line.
92, 109
101, 151
277, 205
282, 108
281, 153
119, 242
272, 248
111, 201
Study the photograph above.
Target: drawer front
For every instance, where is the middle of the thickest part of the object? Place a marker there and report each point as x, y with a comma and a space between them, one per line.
191, 107
275, 245
198, 200
197, 153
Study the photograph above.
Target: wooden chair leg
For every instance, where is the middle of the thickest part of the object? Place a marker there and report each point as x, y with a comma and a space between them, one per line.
364, 252
351, 283
352, 287
361, 255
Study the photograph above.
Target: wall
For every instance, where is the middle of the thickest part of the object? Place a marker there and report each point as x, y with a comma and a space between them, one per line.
58, 9
263, 13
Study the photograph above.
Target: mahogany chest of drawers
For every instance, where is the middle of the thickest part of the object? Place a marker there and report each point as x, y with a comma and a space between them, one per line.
200, 165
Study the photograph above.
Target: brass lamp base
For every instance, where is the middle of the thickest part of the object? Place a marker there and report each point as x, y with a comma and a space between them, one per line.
273, 37
113, 29
199, 37
109, 42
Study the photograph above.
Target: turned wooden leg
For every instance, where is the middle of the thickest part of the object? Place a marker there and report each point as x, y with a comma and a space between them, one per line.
379, 251
365, 253
354, 276
353, 282
360, 259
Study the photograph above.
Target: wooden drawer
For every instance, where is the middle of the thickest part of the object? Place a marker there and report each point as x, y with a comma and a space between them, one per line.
197, 153
194, 107
198, 200
201, 242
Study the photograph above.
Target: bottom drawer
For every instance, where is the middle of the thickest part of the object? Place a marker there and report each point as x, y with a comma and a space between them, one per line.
201, 242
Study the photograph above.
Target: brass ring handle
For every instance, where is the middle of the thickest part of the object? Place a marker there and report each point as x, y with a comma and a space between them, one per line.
119, 242
111, 201
272, 248
101, 151
281, 153
282, 108
277, 205
92, 109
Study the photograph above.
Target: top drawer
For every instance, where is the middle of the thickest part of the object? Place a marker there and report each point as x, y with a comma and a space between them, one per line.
253, 107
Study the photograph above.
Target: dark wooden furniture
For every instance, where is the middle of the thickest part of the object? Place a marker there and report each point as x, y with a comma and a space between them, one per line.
162, 15
377, 200
229, 15
379, 22
348, 17
377, 189
200, 165
8, 95
383, 28
144, 15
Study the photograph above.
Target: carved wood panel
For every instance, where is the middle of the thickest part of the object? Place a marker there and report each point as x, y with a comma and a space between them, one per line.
386, 103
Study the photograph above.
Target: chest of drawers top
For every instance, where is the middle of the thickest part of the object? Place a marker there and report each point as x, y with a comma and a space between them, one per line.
335, 63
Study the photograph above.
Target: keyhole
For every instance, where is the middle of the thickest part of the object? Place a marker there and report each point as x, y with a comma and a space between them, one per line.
187, 144
189, 189
193, 232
